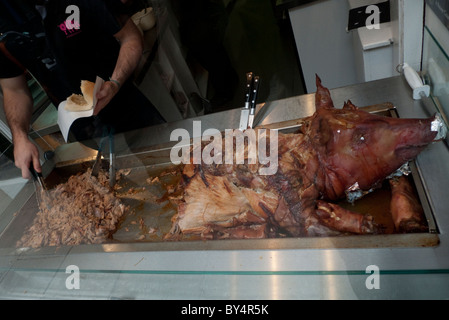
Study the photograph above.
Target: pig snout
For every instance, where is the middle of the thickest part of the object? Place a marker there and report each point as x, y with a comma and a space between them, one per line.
439, 127
415, 134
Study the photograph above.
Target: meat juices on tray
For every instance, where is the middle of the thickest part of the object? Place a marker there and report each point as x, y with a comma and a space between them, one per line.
334, 150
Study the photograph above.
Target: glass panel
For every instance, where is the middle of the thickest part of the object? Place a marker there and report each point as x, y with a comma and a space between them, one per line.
436, 72
227, 39
109, 268
11, 187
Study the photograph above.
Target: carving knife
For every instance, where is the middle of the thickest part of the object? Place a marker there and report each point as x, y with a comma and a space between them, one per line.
97, 164
98, 84
112, 179
252, 110
244, 115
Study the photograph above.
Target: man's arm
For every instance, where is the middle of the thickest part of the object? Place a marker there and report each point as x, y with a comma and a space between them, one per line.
18, 105
131, 47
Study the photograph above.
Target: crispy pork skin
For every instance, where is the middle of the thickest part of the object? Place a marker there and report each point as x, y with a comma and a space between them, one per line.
406, 211
334, 150
338, 218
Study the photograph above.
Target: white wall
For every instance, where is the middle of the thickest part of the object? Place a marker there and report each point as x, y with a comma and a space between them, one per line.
324, 46
407, 18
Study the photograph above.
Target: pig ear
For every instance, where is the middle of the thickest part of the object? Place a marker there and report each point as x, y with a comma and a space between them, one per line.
322, 96
349, 106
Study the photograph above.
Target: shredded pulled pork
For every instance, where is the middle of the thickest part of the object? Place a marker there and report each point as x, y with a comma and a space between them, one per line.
81, 211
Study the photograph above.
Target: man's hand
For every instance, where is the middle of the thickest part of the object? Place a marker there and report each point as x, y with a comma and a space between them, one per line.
131, 48
26, 155
18, 105
107, 91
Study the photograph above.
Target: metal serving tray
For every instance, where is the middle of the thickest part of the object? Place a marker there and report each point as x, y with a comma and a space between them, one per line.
150, 211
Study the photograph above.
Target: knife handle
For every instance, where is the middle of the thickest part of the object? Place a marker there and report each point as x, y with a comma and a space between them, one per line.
248, 88
254, 94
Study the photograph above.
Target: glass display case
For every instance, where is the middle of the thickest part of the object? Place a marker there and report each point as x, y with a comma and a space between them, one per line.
436, 72
238, 269
137, 263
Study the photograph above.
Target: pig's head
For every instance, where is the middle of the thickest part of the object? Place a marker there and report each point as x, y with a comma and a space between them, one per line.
355, 146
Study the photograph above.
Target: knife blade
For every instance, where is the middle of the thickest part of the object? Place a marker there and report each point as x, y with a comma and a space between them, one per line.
112, 179
97, 163
244, 115
265, 108
98, 84
253, 102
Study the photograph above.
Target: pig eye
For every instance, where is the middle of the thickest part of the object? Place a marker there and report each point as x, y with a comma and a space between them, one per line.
359, 137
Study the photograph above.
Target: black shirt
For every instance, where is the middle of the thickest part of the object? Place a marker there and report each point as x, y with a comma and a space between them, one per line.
59, 57
89, 49
56, 54
8, 69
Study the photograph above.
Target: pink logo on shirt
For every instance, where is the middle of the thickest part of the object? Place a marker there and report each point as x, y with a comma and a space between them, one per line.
70, 28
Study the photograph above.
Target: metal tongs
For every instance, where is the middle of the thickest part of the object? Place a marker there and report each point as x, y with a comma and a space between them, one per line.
248, 111
39, 187
97, 164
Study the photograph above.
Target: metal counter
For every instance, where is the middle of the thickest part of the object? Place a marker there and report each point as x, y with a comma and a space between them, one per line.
133, 272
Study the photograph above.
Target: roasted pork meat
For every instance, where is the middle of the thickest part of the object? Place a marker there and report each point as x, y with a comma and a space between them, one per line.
406, 211
334, 150
81, 211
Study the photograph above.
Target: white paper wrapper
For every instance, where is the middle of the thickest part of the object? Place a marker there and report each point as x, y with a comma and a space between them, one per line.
66, 118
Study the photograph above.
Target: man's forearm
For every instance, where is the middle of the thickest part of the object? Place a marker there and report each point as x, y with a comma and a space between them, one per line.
131, 47
18, 106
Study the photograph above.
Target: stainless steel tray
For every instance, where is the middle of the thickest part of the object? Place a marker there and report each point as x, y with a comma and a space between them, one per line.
150, 211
